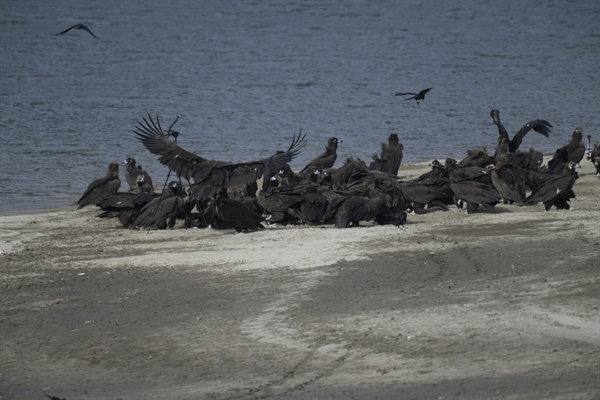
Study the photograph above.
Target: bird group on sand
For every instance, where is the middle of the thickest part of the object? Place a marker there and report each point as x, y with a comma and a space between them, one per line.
248, 196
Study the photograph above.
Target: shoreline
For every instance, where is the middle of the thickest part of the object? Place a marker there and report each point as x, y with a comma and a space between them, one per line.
499, 305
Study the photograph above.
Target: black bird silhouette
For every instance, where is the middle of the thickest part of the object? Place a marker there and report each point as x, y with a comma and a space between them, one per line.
326, 159
210, 175
78, 26
507, 145
415, 96
101, 188
53, 397
572, 152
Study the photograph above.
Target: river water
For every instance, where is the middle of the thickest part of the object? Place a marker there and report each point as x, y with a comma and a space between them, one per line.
247, 75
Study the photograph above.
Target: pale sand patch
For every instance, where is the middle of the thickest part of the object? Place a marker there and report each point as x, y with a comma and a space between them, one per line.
453, 303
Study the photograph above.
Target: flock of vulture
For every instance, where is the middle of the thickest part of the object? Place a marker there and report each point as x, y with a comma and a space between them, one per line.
224, 195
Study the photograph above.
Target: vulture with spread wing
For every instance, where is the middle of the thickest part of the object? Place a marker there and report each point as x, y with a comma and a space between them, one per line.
209, 176
507, 145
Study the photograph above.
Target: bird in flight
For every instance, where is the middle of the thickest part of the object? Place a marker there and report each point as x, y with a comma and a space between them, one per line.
78, 26
416, 96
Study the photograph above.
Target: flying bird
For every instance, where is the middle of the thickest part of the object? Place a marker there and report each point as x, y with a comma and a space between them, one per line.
415, 96
78, 26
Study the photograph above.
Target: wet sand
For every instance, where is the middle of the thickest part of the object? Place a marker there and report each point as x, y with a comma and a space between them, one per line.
502, 305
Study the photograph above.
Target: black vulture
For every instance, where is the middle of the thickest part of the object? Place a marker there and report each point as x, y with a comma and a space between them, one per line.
472, 173
327, 158
210, 176
101, 188
555, 192
572, 152
233, 213
595, 158
163, 211
507, 145
132, 173
391, 156
476, 158
421, 193
312, 208
348, 211
510, 182
126, 205
276, 205
476, 195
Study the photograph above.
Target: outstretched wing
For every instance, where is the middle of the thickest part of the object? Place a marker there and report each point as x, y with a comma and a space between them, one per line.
182, 162
212, 176
66, 30
502, 133
405, 94
422, 92
88, 30
539, 125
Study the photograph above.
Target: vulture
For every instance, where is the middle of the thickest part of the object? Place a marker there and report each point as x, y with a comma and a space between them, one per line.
163, 211
391, 156
209, 176
555, 192
101, 188
572, 152
476, 195
595, 158
507, 145
235, 214
133, 173
326, 159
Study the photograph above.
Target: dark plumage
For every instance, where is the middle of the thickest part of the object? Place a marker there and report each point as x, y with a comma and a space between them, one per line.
341, 177
437, 171
595, 158
326, 159
348, 211
415, 96
132, 174
398, 219
476, 158
53, 397
376, 184
476, 195
421, 193
526, 160
510, 182
235, 214
101, 188
555, 192
163, 211
277, 204
507, 145
126, 206
313, 206
472, 173
210, 176
572, 152
78, 26
391, 156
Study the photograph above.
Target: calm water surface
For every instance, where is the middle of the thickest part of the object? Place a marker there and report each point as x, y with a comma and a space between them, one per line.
246, 75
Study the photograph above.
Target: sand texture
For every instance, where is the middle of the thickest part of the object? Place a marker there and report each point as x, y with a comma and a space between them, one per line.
501, 305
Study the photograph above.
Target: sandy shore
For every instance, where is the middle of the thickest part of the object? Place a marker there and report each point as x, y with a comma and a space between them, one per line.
483, 306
